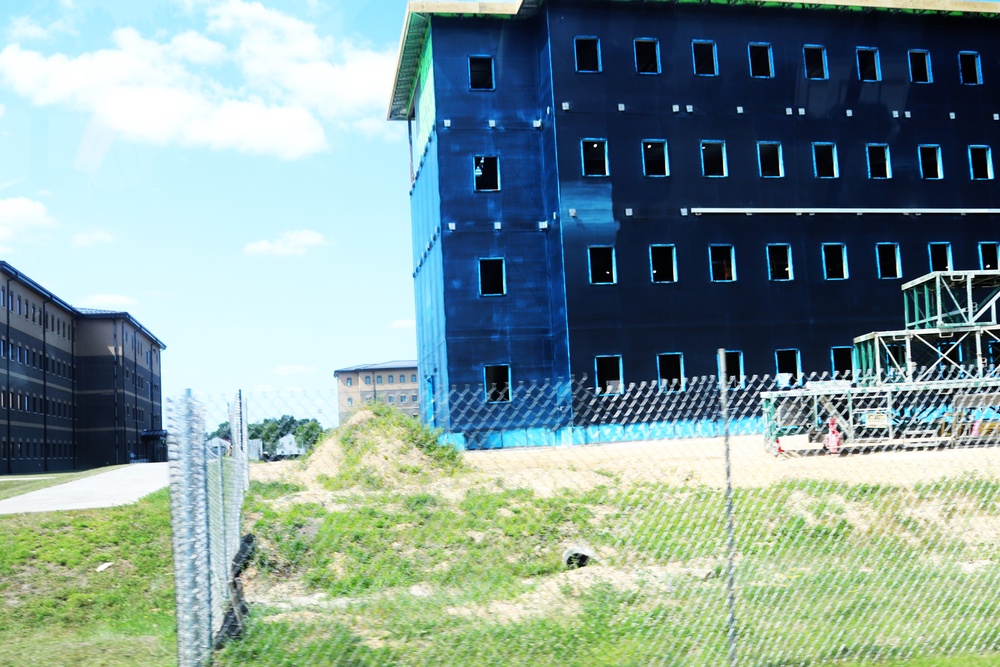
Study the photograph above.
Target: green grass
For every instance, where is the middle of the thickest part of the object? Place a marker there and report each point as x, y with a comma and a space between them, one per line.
58, 610
16, 485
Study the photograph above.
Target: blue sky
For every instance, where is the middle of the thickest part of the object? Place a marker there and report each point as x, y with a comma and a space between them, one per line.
221, 169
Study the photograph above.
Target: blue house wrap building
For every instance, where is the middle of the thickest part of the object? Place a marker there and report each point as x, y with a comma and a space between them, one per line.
618, 189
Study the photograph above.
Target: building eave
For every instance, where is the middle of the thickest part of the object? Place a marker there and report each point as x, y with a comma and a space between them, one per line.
419, 13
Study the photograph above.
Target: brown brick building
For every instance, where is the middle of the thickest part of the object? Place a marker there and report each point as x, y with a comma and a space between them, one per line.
393, 382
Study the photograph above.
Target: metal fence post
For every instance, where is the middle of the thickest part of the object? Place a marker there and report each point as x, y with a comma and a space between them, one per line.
730, 541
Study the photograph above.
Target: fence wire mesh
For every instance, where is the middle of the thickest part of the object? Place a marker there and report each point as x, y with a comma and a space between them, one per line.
814, 524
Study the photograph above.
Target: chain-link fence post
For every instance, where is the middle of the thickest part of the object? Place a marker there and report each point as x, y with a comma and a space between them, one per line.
730, 542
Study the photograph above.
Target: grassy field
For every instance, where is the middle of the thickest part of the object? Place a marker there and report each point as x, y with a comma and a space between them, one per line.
19, 484
59, 610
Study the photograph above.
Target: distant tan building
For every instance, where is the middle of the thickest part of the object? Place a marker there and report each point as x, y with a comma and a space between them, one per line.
392, 382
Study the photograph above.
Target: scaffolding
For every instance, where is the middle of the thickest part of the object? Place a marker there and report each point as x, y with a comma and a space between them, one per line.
934, 383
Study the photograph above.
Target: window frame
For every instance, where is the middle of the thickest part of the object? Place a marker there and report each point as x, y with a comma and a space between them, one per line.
834, 158
796, 378
478, 162
590, 265
732, 263
666, 157
930, 256
788, 256
878, 260
888, 161
979, 68
760, 159
597, 375
989, 162
996, 254
584, 161
576, 53
837, 375
493, 75
635, 53
936, 148
927, 63
505, 392
715, 56
666, 386
843, 260
673, 262
877, 62
805, 62
503, 276
770, 59
725, 161
741, 378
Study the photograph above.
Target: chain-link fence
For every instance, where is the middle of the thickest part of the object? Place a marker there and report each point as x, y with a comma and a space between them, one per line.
662, 524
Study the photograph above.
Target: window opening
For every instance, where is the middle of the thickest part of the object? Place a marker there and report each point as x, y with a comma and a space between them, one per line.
980, 163
734, 369
654, 158
868, 65
647, 56
492, 279
487, 172
378, 379
930, 161
481, 72
779, 261
588, 54
940, 254
497, 380
705, 61
595, 157
769, 159
969, 68
887, 259
878, 161
670, 367
392, 379
815, 61
663, 263
713, 158
788, 365
723, 263
825, 160
609, 374
761, 62
602, 265
834, 261
843, 362
368, 379
989, 256
920, 66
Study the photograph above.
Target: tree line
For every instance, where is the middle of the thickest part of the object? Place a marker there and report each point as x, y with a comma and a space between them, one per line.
307, 432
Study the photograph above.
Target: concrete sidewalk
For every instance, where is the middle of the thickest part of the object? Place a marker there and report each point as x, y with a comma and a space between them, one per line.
116, 487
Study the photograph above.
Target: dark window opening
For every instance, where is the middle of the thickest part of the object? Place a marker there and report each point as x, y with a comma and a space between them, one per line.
980, 162
481, 72
595, 158
487, 172
970, 73
988, 256
492, 278
779, 262
920, 67
734, 369
825, 160
887, 255
723, 263
930, 161
788, 365
497, 383
815, 61
760, 61
868, 68
654, 158
609, 374
835, 261
769, 157
602, 265
713, 158
588, 54
671, 369
647, 56
704, 58
843, 362
940, 254
662, 260
878, 161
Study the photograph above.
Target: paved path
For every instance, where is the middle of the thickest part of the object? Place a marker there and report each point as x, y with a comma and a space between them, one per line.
117, 487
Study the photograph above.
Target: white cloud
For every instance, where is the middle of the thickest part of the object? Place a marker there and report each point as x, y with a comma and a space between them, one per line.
91, 237
292, 369
180, 89
25, 28
21, 219
288, 243
403, 324
106, 301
